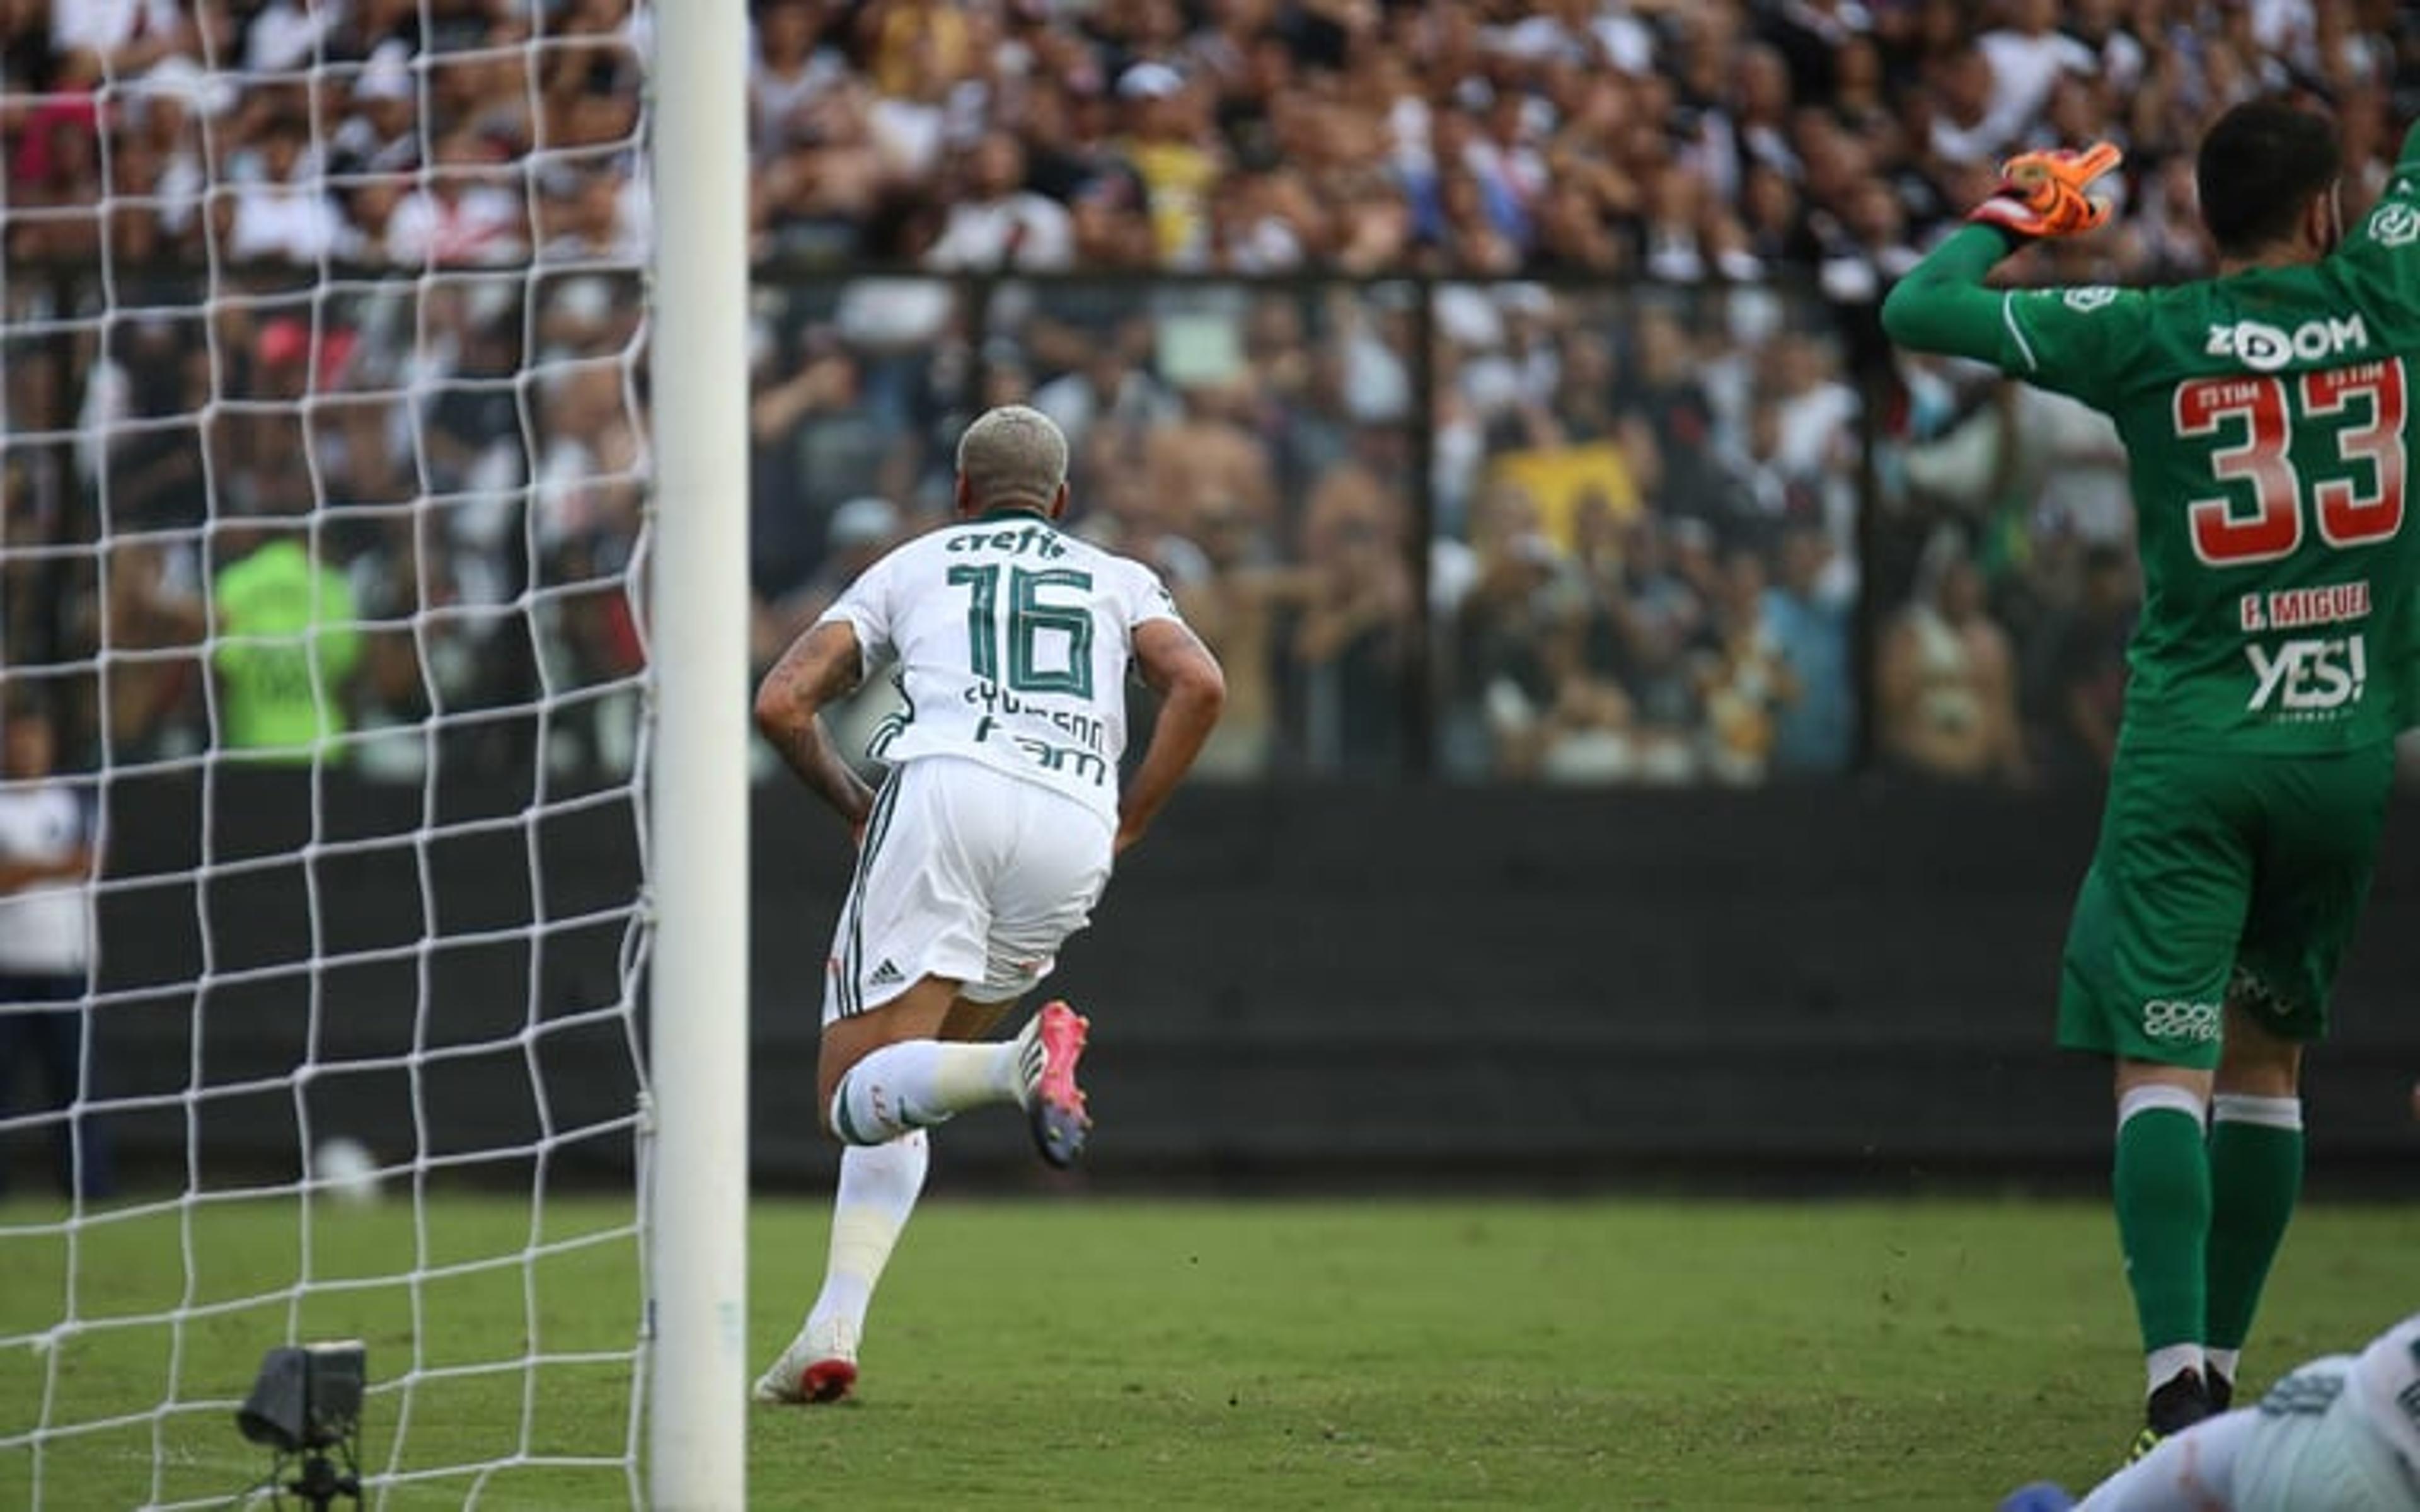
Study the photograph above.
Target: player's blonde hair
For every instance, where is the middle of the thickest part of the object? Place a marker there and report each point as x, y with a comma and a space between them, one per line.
1013, 452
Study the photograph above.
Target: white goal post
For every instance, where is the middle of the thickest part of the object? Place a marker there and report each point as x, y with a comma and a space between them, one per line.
698, 1435
373, 512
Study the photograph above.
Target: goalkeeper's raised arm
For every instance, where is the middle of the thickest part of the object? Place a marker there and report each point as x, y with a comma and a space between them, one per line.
1945, 305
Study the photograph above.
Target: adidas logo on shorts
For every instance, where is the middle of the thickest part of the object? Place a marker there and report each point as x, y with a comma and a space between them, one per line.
885, 975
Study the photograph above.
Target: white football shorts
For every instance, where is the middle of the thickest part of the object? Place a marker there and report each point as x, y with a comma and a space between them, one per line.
965, 872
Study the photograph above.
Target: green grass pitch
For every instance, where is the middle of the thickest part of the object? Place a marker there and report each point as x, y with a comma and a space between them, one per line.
1114, 1353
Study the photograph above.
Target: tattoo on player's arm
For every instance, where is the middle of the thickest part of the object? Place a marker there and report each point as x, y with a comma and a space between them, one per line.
821, 665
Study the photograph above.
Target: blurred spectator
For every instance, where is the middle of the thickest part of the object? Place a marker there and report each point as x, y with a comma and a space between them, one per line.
860, 532
1110, 383
288, 641
1744, 681
2085, 679
1502, 640
1808, 616
795, 62
1000, 224
116, 39
1167, 139
2027, 54
1687, 463
283, 212
468, 212
1946, 680
153, 627
1465, 137
379, 134
1234, 607
1353, 631
1688, 427
1643, 621
141, 425
48, 864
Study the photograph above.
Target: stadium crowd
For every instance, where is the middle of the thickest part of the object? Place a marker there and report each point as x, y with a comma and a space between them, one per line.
1651, 235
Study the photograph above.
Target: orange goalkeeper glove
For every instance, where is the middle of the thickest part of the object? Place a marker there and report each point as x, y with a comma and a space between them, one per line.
2042, 194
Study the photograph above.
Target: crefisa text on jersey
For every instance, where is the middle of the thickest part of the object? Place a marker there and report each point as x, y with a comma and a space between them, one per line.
1041, 540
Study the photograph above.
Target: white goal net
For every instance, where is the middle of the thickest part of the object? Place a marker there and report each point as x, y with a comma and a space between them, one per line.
325, 455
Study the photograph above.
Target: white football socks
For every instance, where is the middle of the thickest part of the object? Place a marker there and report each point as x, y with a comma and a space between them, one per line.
2164, 1365
878, 1186
919, 1083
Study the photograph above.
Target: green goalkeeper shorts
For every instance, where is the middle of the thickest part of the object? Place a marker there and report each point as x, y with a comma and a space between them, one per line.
2218, 877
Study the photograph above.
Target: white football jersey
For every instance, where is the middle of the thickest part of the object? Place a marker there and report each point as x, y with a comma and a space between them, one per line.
1013, 640
2338, 1433
2384, 1391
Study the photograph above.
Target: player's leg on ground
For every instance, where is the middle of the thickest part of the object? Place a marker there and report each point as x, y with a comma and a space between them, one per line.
16, 1038
2160, 1176
2153, 944
2160, 1184
58, 1039
48, 1042
80, 1152
878, 1190
2318, 853
2256, 1178
876, 1194
873, 1201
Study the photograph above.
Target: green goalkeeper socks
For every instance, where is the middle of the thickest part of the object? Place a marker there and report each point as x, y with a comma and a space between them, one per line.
2161, 1187
2256, 1174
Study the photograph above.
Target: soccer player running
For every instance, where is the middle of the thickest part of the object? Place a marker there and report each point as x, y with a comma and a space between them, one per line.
990, 841
2266, 414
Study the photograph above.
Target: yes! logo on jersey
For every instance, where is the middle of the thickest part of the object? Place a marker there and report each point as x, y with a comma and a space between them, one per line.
2265, 348
2312, 677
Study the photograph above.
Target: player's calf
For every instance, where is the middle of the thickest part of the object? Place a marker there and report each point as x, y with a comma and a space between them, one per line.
879, 1093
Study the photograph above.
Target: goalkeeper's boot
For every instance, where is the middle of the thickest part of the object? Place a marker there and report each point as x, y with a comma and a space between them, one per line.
2180, 1402
820, 1365
2040, 1496
1047, 1051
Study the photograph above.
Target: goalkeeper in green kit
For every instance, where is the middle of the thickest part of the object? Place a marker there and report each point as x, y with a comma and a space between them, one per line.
2267, 415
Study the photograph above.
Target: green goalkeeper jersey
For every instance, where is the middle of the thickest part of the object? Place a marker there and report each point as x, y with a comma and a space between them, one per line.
2268, 419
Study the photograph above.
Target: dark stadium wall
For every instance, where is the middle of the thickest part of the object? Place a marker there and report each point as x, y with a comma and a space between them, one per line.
1843, 985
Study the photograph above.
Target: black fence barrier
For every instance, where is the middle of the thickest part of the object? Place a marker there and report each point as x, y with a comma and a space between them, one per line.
1393, 984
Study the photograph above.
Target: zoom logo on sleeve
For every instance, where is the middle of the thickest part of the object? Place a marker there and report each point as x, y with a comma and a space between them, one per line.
2166, 1018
